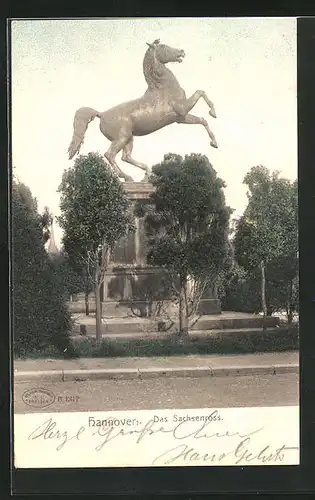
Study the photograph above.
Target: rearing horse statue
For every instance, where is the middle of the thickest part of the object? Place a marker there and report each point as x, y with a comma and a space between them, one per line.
163, 103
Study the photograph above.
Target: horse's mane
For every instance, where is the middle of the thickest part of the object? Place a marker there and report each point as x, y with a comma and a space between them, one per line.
155, 73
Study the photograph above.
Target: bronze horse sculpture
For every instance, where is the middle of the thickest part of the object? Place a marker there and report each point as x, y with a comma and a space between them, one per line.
163, 103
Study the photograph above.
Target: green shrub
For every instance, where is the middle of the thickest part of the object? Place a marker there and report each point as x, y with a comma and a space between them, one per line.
40, 317
241, 292
273, 340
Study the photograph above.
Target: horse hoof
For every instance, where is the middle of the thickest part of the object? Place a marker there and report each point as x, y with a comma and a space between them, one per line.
213, 114
213, 144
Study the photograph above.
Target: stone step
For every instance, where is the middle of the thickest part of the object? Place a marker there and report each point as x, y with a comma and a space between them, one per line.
226, 323
121, 308
122, 326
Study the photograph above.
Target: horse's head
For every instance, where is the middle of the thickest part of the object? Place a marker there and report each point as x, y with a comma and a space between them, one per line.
166, 54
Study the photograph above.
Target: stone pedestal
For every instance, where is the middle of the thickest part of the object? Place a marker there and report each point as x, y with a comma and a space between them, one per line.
129, 282
128, 272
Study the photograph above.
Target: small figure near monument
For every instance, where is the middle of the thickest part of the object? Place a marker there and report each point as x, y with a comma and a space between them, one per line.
163, 103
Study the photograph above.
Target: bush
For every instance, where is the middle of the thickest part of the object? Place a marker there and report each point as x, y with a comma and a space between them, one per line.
40, 317
273, 340
241, 292
44, 352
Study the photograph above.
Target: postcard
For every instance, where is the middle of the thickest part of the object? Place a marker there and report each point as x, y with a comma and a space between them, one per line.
155, 264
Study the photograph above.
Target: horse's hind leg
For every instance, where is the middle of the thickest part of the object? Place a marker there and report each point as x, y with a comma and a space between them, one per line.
126, 156
195, 120
111, 154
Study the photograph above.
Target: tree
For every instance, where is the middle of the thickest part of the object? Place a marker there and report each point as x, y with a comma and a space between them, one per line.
73, 273
94, 216
71, 281
40, 315
30, 203
240, 291
186, 222
45, 221
266, 236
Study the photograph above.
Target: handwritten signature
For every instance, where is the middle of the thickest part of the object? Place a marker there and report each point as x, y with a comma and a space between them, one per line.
240, 453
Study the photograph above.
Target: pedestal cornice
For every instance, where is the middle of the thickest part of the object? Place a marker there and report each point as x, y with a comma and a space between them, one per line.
138, 190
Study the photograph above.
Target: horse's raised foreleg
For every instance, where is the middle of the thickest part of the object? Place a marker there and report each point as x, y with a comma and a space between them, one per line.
111, 154
126, 156
183, 107
195, 120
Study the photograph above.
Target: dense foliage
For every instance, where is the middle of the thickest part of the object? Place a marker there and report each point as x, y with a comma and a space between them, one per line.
71, 280
40, 317
94, 216
186, 221
266, 235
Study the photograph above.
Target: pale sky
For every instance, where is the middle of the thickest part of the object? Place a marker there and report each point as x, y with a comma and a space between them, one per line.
247, 66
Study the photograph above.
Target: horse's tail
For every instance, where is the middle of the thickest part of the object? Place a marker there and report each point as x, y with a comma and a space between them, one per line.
82, 118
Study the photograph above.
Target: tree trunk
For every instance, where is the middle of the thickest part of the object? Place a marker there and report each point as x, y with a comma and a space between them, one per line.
269, 311
183, 317
104, 265
290, 317
289, 304
86, 298
98, 314
263, 293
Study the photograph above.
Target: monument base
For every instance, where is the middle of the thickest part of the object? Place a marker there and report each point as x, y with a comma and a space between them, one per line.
131, 286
